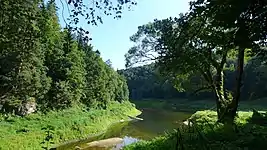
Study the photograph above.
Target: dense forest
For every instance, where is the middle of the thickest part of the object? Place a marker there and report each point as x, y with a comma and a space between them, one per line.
146, 82
50, 67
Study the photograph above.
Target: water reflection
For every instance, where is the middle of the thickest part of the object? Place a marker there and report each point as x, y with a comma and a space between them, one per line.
155, 123
126, 141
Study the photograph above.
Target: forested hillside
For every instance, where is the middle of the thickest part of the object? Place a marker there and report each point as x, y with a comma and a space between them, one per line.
53, 67
146, 82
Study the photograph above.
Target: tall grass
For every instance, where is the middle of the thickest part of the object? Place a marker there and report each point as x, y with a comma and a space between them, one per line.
17, 133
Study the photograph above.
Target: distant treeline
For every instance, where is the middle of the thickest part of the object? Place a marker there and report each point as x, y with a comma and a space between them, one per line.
145, 82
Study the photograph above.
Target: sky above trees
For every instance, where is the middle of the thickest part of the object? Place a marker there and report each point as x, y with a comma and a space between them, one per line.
112, 37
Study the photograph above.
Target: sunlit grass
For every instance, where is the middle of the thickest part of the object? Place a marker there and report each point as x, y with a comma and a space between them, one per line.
250, 132
18, 133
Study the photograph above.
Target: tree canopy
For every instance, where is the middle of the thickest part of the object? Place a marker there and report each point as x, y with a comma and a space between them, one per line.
56, 68
201, 41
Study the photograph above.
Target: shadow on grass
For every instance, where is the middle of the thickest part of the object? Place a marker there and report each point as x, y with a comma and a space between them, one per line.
204, 133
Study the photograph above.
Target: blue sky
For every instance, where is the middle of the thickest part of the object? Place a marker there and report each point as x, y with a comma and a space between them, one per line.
112, 37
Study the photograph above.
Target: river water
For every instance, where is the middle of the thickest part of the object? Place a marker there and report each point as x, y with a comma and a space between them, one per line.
154, 123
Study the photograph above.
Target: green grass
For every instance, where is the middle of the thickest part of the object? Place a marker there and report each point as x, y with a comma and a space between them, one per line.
18, 133
250, 133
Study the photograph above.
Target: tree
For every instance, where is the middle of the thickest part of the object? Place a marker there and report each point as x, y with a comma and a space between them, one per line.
255, 76
22, 72
144, 82
247, 19
41, 62
103, 84
186, 46
76, 72
67, 73
240, 23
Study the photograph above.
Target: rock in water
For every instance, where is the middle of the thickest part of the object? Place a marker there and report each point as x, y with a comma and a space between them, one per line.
187, 122
105, 143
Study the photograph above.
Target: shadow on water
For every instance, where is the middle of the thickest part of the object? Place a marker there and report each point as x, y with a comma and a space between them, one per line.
154, 123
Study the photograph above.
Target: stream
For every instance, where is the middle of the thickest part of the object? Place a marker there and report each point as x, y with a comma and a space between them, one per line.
154, 123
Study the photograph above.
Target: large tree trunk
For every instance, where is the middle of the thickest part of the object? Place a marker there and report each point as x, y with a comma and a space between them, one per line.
227, 109
237, 92
221, 101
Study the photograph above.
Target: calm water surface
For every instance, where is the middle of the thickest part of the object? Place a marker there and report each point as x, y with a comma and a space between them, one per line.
155, 123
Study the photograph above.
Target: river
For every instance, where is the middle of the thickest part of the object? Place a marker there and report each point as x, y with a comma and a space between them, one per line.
154, 123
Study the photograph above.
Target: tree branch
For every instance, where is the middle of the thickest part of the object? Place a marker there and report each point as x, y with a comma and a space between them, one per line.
213, 62
206, 77
201, 89
223, 59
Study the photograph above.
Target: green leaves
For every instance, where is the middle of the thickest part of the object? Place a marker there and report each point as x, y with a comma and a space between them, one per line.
103, 84
26, 72
56, 67
49, 137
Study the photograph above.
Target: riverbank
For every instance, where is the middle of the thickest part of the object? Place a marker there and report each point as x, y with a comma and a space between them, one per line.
250, 133
77, 122
185, 105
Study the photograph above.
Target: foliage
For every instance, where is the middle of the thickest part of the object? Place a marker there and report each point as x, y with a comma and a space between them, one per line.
103, 83
72, 123
200, 42
245, 18
145, 82
48, 140
192, 106
23, 74
87, 9
92, 12
245, 28
57, 68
